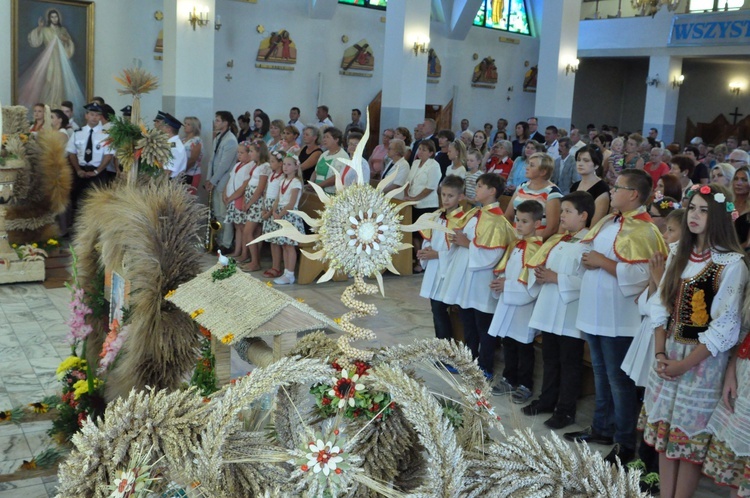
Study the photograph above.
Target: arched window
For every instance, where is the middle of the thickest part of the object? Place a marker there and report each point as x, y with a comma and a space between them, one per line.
370, 4
505, 15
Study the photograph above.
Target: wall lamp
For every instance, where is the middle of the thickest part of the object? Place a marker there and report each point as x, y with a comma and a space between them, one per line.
735, 88
217, 23
677, 81
420, 46
653, 81
198, 18
572, 67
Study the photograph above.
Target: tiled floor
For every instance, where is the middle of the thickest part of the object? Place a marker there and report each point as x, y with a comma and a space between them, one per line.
32, 332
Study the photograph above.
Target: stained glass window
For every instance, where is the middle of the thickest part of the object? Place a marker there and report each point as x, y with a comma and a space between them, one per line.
714, 5
505, 15
372, 4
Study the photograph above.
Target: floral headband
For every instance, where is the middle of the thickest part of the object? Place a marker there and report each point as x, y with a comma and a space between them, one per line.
718, 197
669, 205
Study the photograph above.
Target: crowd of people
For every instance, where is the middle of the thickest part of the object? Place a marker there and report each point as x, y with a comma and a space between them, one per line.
649, 238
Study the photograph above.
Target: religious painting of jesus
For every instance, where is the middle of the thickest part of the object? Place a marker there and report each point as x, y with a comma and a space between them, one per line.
278, 47
358, 56
53, 52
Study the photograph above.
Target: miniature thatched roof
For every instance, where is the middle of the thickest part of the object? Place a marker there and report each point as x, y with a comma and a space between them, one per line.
244, 307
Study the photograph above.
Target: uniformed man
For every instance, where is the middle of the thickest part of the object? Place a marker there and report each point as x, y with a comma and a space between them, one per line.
171, 126
88, 154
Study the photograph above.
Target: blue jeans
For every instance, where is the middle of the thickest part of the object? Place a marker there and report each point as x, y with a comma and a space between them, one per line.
616, 409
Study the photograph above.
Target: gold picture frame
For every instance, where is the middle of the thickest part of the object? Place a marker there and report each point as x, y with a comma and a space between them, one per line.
52, 56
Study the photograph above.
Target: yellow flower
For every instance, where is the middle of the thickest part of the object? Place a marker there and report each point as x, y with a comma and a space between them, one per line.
337, 321
300, 300
15, 246
269, 283
227, 338
82, 387
170, 294
699, 317
70, 363
39, 407
196, 313
52, 242
35, 245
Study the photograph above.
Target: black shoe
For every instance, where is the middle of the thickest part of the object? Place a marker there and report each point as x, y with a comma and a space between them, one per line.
534, 407
559, 420
650, 483
620, 452
587, 436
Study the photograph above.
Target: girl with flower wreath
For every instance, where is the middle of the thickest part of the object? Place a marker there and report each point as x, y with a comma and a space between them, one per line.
696, 322
253, 205
233, 198
288, 200
272, 194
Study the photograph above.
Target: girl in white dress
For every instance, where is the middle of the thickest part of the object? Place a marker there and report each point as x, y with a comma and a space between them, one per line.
288, 200
272, 194
696, 322
253, 205
233, 198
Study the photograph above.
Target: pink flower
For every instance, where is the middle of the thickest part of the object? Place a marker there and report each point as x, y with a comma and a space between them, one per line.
79, 329
705, 190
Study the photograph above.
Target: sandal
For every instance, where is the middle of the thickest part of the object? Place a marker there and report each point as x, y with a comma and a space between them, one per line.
272, 273
417, 269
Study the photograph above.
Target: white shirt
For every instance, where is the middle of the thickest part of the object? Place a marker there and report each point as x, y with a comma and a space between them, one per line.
425, 177
325, 123
286, 188
77, 145
178, 163
610, 309
434, 269
402, 169
237, 176
474, 277
300, 126
514, 305
350, 177
554, 150
273, 185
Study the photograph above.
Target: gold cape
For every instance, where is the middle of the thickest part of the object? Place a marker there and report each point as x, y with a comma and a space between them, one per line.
493, 230
456, 219
637, 240
530, 246
540, 257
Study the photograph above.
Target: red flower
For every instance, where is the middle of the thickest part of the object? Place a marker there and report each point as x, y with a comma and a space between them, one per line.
81, 417
326, 401
705, 190
375, 407
362, 368
305, 468
336, 366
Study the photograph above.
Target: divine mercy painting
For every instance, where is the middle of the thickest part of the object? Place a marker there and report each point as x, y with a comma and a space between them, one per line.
53, 52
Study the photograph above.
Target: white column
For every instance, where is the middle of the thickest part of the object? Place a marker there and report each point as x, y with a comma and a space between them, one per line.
404, 74
558, 47
661, 99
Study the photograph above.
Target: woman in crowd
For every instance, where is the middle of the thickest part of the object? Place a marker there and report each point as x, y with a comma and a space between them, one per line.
457, 156
262, 125
517, 175
722, 173
589, 166
38, 123
380, 154
479, 142
522, 136
243, 121
669, 186
398, 164
310, 152
403, 133
741, 190
539, 169
194, 148
333, 141
682, 167
289, 143
424, 178
275, 139
60, 122
633, 157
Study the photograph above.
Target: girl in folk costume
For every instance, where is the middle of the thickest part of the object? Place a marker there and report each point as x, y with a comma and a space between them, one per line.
233, 198
253, 205
272, 194
728, 458
696, 322
288, 200
555, 274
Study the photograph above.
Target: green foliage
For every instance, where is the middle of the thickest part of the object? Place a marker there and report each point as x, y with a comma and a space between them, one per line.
225, 271
452, 411
123, 133
96, 298
204, 375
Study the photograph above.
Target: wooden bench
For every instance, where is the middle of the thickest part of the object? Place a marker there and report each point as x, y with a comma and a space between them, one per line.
309, 270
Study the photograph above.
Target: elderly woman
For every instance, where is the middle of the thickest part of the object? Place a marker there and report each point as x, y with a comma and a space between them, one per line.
722, 174
656, 167
276, 140
398, 164
380, 153
194, 148
466, 137
682, 167
539, 169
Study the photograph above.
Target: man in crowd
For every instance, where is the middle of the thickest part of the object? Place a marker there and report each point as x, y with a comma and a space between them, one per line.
550, 141
294, 120
533, 130
565, 173
324, 119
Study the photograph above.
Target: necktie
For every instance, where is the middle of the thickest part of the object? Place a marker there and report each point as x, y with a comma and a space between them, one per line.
387, 168
89, 153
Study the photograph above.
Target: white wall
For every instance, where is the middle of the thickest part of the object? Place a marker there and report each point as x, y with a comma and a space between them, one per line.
319, 50
123, 30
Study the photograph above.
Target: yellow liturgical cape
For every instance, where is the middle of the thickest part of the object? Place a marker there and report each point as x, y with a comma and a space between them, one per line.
530, 247
540, 256
493, 230
637, 240
456, 219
